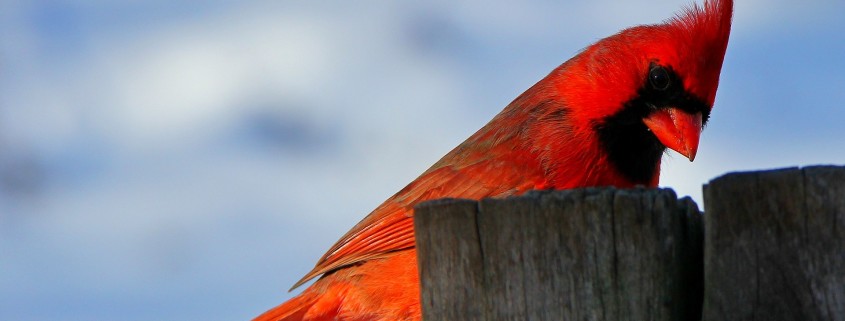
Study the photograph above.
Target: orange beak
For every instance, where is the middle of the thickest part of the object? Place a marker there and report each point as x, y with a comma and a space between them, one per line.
676, 129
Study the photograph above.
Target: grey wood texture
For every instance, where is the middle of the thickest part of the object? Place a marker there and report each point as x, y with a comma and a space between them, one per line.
588, 254
775, 245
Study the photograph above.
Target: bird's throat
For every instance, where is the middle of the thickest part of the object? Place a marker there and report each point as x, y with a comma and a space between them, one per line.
631, 148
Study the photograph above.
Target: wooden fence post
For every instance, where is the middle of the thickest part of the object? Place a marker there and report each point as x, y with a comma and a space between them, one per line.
775, 245
593, 254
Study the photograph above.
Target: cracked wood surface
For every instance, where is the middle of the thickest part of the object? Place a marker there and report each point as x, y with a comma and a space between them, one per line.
591, 254
775, 245
775, 250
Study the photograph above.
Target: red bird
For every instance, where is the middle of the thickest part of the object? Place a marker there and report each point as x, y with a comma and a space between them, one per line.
603, 118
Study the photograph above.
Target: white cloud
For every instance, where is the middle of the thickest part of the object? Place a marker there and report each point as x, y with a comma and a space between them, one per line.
192, 75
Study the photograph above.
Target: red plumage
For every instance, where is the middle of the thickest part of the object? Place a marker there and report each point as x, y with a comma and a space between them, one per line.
603, 118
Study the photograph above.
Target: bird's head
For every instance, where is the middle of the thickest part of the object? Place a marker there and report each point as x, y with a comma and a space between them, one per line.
649, 87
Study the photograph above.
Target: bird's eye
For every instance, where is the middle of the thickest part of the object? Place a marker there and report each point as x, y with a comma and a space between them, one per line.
659, 78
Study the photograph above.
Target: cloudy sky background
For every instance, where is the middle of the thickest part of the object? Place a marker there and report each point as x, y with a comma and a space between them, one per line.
176, 160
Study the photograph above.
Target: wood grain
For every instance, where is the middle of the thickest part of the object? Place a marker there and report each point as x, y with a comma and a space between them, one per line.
775, 245
591, 254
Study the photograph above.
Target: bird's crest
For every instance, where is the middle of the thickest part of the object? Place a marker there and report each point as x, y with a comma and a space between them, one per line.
705, 30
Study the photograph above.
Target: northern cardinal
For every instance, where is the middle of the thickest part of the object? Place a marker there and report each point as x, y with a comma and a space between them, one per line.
603, 118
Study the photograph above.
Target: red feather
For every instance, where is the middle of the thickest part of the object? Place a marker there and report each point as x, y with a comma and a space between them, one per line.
545, 139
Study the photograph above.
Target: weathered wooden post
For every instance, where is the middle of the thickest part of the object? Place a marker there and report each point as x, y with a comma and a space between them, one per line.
594, 254
775, 245
775, 250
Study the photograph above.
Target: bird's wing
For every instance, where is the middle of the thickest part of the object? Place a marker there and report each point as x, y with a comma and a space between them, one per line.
390, 227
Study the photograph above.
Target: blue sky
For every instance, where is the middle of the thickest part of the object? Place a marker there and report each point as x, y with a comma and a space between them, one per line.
172, 160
